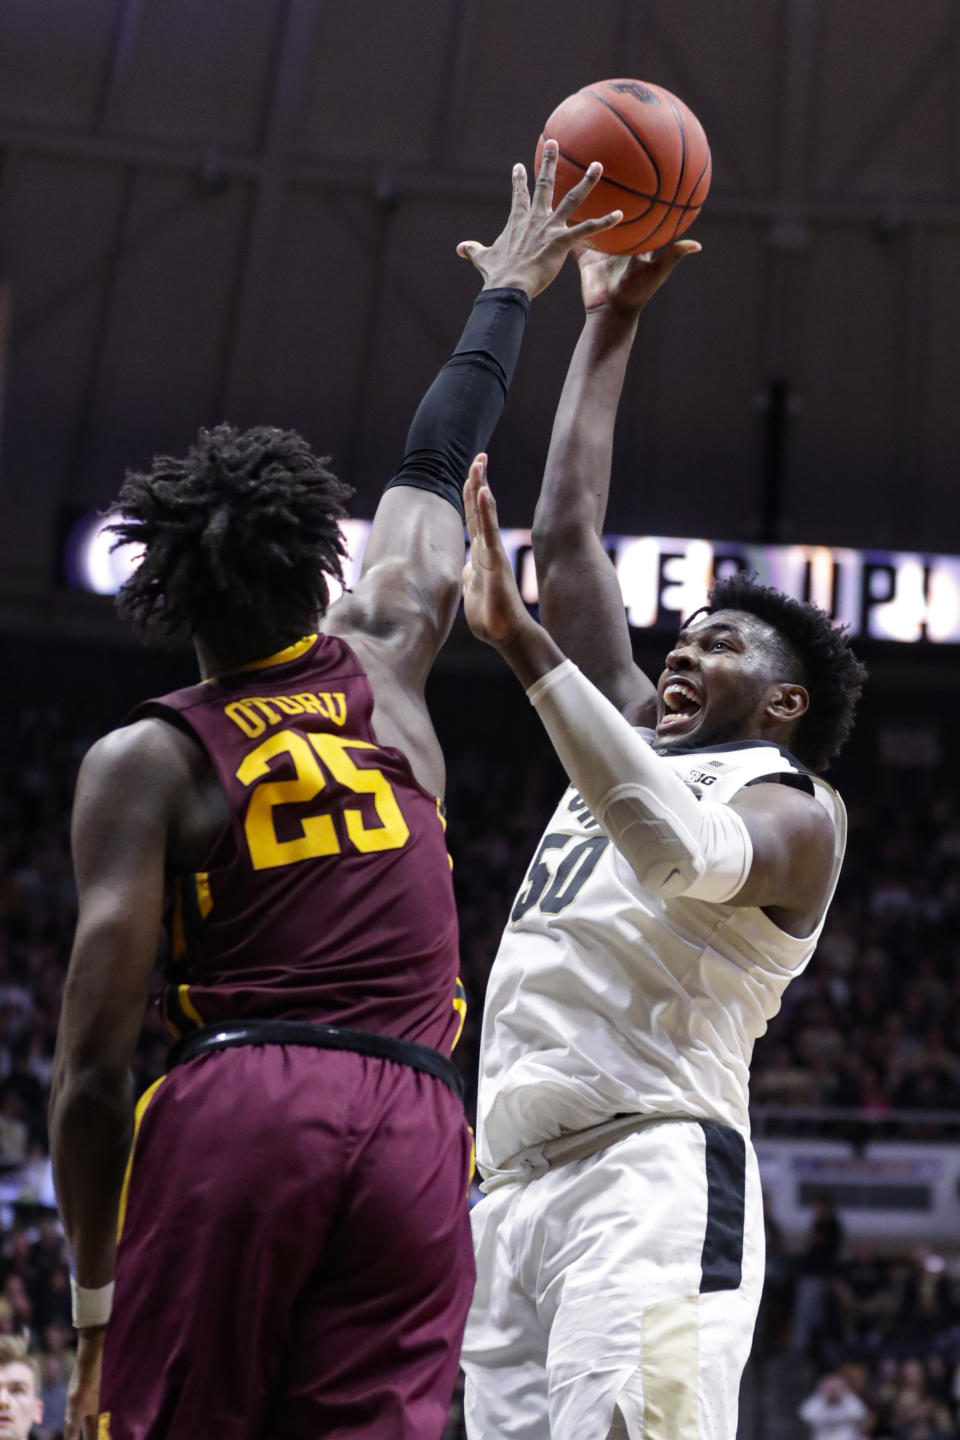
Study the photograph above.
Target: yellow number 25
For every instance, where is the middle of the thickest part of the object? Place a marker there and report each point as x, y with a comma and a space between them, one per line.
318, 834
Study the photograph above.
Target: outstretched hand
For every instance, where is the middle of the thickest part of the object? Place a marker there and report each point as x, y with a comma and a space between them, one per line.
532, 246
491, 601
626, 282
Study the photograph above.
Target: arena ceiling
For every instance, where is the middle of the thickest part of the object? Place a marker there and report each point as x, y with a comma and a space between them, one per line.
248, 209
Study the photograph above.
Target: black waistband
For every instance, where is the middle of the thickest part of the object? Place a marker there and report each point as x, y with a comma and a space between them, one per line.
322, 1037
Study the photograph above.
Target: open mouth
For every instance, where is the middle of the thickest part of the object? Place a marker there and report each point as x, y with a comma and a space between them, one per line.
681, 707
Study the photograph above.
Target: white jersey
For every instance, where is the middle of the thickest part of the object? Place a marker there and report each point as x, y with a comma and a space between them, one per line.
608, 999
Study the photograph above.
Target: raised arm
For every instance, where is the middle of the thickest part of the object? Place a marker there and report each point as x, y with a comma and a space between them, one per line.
119, 835
580, 599
408, 591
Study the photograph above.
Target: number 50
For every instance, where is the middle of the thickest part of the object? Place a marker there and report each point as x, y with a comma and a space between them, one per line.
553, 893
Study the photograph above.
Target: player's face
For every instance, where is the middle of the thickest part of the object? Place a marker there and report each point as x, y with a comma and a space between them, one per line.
717, 680
19, 1406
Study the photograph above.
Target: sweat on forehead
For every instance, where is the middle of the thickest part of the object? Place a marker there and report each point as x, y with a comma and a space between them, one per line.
750, 628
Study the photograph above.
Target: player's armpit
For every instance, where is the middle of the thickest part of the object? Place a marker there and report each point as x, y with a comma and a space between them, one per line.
406, 598
793, 851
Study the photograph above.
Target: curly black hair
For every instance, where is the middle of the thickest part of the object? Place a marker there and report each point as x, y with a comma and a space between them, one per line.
818, 654
239, 539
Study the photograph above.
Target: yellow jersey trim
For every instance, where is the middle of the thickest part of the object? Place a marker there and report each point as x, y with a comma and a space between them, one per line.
460, 1006
290, 652
187, 1005
204, 898
442, 817
138, 1115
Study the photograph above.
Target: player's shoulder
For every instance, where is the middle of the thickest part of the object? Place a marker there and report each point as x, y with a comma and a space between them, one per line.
731, 763
802, 810
149, 753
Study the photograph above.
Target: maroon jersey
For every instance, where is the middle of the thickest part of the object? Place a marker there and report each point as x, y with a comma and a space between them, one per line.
329, 895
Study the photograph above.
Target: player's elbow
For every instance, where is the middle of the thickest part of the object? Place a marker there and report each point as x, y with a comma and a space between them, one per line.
559, 530
93, 1096
707, 859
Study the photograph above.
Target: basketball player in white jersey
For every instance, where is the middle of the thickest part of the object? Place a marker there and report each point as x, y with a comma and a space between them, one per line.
681, 883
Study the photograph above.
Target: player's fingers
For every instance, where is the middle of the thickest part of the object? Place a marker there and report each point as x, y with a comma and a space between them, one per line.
489, 523
520, 202
470, 505
678, 251
478, 471
579, 192
587, 228
472, 250
471, 502
543, 190
482, 502
487, 516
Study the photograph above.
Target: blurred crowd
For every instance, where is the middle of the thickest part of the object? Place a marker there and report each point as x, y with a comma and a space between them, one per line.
873, 1027
874, 1024
881, 1330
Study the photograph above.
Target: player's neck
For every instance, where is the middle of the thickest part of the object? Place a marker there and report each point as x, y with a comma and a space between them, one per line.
213, 663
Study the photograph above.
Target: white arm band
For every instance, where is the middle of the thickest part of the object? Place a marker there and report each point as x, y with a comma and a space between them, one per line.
91, 1307
674, 842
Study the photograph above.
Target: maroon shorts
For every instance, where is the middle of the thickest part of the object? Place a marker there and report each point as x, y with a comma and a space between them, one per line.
295, 1258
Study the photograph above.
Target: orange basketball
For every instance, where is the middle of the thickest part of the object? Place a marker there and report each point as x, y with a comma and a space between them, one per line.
655, 157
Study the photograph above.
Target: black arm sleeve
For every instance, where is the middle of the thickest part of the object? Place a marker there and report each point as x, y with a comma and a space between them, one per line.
459, 412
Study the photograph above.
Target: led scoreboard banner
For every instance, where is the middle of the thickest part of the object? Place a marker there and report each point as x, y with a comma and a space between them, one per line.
879, 594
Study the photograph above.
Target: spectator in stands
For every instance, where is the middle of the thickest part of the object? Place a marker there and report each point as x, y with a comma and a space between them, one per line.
833, 1411
783, 1081
926, 1308
13, 1131
867, 1302
872, 1094
816, 1268
53, 1374
15, 1294
20, 1405
775, 1300
915, 1410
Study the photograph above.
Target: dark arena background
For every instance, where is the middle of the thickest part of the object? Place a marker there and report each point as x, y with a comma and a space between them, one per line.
249, 211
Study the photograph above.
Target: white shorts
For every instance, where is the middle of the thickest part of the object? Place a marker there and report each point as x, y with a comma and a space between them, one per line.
617, 1295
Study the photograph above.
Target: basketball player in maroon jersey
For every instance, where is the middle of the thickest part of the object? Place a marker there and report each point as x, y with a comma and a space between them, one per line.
295, 1250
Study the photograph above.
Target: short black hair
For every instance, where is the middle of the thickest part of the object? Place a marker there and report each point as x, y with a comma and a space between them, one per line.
825, 664
240, 538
